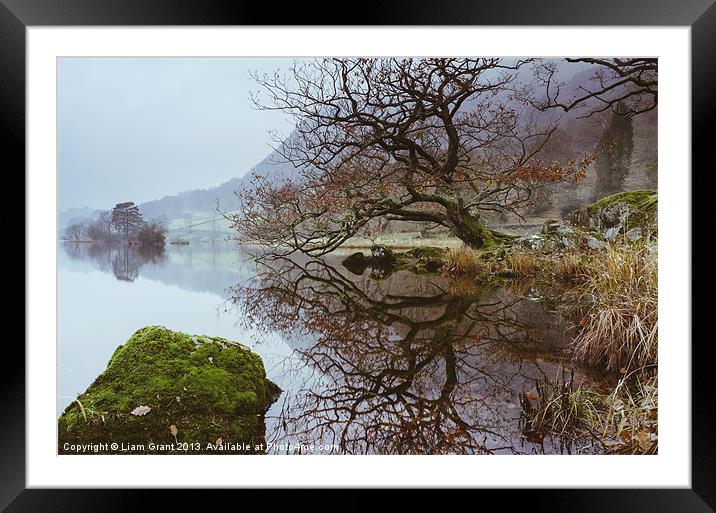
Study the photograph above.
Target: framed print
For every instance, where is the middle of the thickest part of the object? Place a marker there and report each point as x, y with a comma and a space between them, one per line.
452, 250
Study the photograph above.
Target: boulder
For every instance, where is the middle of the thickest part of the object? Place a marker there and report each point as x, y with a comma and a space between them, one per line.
620, 213
423, 259
632, 215
164, 388
557, 235
634, 234
383, 261
382, 254
595, 244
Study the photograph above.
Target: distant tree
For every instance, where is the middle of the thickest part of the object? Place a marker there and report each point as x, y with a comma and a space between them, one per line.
101, 228
614, 153
94, 231
105, 222
75, 232
151, 234
126, 218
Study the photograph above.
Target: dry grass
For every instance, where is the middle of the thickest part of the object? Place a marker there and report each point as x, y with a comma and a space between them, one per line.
523, 263
617, 297
559, 407
617, 293
464, 262
463, 286
624, 422
630, 423
619, 329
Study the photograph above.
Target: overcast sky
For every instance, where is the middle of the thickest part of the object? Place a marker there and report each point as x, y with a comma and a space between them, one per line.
139, 129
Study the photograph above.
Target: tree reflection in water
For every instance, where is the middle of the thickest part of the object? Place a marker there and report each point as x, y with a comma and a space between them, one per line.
401, 366
122, 260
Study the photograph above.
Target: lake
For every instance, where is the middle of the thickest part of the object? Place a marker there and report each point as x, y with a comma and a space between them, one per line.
368, 363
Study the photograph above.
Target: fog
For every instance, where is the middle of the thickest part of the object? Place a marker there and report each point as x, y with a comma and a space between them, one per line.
136, 129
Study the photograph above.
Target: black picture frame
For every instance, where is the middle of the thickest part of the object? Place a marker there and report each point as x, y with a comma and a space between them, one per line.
700, 15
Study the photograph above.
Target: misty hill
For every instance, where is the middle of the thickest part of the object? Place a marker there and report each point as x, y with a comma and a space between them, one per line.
202, 203
75, 215
206, 200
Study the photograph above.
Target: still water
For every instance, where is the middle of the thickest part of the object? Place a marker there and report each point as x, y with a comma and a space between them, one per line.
368, 364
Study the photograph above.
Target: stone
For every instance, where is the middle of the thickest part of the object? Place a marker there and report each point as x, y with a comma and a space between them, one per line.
612, 233
356, 263
634, 234
206, 387
594, 243
617, 214
382, 253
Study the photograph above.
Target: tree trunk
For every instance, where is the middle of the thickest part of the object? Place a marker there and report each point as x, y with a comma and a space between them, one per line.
468, 228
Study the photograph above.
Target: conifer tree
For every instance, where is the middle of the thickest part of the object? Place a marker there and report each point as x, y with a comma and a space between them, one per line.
614, 153
126, 218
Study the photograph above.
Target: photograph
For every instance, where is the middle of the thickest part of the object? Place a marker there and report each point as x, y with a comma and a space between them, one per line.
357, 255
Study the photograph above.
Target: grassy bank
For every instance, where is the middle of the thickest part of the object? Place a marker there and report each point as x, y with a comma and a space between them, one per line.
613, 294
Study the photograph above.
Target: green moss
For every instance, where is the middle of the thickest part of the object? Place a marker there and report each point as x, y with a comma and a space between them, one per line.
642, 200
208, 387
424, 252
423, 259
625, 210
492, 253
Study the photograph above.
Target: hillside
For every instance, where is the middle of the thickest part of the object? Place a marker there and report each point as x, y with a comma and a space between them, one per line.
207, 200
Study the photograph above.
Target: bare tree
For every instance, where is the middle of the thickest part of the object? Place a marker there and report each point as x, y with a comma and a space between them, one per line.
630, 81
152, 234
441, 141
75, 232
105, 222
101, 228
614, 153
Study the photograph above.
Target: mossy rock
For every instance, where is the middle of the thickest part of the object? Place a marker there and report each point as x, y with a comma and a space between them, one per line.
425, 253
617, 214
558, 235
423, 259
383, 261
207, 388
382, 254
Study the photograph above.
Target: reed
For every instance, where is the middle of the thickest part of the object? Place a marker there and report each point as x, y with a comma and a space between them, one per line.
619, 328
560, 407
